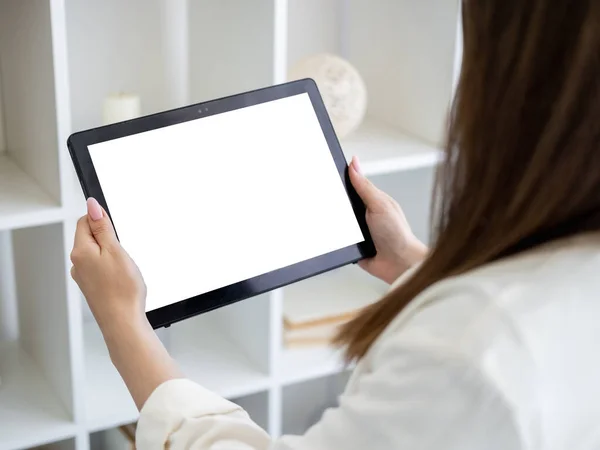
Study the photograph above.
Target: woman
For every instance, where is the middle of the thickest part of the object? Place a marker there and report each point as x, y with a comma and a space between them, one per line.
489, 342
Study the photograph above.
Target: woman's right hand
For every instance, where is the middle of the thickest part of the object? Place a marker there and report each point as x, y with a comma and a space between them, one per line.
397, 247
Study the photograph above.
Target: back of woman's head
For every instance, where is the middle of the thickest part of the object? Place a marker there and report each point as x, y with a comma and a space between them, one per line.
522, 162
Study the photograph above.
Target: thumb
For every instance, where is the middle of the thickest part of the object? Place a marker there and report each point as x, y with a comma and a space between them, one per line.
100, 224
364, 188
365, 264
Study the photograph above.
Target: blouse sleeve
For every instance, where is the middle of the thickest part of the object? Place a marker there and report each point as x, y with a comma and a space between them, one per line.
419, 393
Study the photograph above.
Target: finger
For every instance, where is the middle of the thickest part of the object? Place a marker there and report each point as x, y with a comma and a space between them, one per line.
100, 224
74, 273
84, 238
364, 188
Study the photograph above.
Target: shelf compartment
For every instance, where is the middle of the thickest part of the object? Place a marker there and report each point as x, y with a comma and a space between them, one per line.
304, 403
108, 402
349, 285
199, 51
29, 193
405, 56
413, 192
382, 149
203, 352
129, 58
36, 391
22, 202
29, 172
237, 38
302, 364
30, 412
257, 407
209, 356
346, 289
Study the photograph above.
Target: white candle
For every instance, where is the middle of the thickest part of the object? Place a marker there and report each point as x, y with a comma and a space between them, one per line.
120, 107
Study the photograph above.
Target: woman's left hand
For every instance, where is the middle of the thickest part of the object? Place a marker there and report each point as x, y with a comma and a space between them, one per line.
109, 279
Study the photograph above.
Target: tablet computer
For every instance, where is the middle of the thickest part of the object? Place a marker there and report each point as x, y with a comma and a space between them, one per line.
227, 199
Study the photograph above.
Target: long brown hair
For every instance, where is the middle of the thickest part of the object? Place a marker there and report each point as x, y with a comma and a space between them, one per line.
522, 163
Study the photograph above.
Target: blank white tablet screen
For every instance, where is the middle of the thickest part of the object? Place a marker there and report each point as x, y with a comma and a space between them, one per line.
217, 200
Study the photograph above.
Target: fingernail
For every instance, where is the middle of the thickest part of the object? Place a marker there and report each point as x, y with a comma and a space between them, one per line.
356, 163
94, 209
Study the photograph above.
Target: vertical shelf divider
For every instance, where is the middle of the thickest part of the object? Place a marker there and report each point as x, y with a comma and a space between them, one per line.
2, 135
275, 349
28, 94
70, 195
177, 51
280, 62
280, 41
70, 191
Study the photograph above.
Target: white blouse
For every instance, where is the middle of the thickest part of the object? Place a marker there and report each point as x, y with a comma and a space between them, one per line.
505, 357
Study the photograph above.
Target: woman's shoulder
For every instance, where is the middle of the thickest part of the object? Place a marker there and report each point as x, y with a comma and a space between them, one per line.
503, 322
498, 297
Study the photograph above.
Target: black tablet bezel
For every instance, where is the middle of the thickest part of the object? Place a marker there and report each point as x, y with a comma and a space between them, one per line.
78, 148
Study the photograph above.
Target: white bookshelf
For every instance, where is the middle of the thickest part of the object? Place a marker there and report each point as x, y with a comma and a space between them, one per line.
59, 58
28, 402
22, 201
304, 403
383, 149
